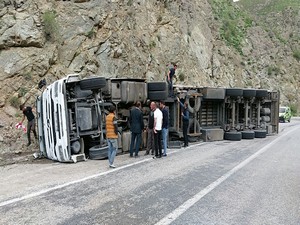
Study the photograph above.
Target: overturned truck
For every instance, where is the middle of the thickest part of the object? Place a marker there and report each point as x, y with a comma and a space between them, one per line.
71, 114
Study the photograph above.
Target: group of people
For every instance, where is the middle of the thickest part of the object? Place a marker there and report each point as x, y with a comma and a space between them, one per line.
157, 130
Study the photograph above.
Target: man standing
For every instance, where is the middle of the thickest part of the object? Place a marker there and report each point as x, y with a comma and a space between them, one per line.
27, 111
112, 135
158, 117
165, 125
185, 121
170, 76
150, 133
136, 128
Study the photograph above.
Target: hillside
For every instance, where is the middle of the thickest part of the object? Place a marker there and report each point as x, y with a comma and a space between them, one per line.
249, 43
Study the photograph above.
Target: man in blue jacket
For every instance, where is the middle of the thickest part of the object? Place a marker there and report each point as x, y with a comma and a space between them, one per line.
185, 121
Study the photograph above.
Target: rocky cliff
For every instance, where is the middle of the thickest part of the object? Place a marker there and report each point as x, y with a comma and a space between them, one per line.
214, 43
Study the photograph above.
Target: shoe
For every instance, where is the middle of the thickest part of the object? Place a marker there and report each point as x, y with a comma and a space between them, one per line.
164, 154
158, 156
147, 153
131, 156
154, 157
112, 166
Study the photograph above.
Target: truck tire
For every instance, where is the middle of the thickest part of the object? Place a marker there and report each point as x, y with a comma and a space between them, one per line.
98, 152
261, 93
157, 86
248, 134
260, 133
233, 136
93, 83
248, 93
234, 92
157, 95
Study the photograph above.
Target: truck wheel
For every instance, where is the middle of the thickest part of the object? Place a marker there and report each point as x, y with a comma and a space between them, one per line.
157, 95
98, 152
248, 134
260, 133
249, 93
93, 83
157, 86
233, 136
234, 92
77, 146
261, 93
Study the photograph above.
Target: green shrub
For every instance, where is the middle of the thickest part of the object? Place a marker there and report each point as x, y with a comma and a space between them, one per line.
14, 101
27, 76
22, 91
152, 44
159, 19
91, 33
293, 109
181, 76
296, 55
50, 26
273, 70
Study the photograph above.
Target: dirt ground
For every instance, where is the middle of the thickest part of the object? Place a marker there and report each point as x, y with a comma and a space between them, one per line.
24, 157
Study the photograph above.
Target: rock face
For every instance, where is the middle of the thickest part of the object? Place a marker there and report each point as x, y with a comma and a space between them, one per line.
137, 38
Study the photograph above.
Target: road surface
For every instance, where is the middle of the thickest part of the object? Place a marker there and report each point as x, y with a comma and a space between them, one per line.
225, 182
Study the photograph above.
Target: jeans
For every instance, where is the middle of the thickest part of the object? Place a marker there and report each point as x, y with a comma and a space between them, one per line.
136, 139
170, 83
112, 150
165, 132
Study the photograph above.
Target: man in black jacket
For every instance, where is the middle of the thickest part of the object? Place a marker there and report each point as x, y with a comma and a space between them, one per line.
136, 128
150, 133
27, 111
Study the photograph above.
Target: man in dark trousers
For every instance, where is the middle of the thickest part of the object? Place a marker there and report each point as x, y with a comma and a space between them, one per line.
136, 127
158, 117
27, 111
185, 121
150, 133
170, 76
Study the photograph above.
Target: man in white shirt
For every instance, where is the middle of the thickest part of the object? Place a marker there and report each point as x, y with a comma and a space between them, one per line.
158, 118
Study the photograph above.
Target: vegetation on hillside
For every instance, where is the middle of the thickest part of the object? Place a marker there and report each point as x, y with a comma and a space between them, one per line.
234, 23
264, 7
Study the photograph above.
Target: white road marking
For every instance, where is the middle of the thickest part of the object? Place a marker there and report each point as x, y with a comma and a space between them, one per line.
35, 194
189, 203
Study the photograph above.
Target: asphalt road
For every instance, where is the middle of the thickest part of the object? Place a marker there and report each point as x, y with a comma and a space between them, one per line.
226, 182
